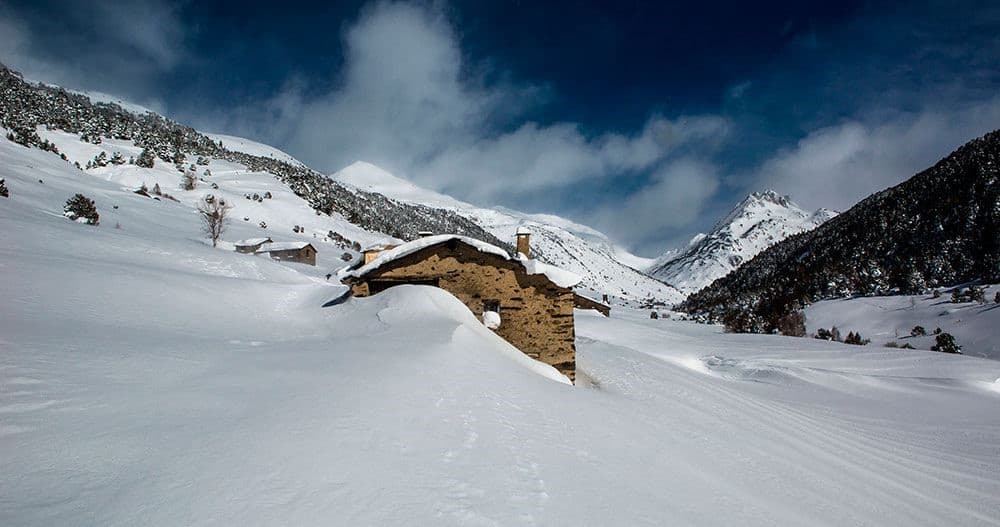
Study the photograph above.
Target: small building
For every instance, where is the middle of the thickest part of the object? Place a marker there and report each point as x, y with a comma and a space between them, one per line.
582, 302
301, 252
250, 245
372, 252
528, 303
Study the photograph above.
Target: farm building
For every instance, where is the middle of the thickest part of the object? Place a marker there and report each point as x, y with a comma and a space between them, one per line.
250, 245
301, 252
528, 303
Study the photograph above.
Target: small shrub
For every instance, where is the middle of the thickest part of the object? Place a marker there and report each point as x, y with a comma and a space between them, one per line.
855, 339
793, 324
6, 193
937, 331
823, 334
654, 315
190, 180
977, 294
214, 213
346, 257
996, 298
945, 343
918, 331
907, 346
892, 344
81, 208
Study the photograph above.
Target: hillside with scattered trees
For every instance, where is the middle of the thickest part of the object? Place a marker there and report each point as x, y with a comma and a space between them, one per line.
25, 106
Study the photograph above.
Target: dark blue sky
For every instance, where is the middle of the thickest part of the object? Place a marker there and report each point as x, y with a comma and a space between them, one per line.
671, 111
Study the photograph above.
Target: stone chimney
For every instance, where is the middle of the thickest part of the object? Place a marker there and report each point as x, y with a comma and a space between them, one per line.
524, 241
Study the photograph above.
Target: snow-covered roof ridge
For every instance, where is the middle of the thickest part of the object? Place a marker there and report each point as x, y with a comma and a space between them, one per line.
282, 246
560, 277
251, 241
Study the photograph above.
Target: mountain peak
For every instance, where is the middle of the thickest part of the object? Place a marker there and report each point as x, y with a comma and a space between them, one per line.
770, 196
757, 222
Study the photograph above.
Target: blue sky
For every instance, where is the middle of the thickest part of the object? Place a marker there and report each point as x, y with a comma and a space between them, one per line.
644, 119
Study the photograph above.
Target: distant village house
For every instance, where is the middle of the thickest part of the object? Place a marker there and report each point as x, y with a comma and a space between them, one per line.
301, 252
528, 303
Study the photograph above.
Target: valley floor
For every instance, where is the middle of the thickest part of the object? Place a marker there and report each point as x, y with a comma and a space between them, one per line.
149, 379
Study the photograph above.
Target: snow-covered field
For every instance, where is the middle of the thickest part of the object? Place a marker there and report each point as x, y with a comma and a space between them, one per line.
884, 319
149, 379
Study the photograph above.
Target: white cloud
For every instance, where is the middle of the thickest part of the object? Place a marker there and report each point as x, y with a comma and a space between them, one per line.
839, 165
675, 196
114, 47
407, 101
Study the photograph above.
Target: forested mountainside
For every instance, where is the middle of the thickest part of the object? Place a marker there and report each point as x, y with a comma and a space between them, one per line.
939, 227
25, 106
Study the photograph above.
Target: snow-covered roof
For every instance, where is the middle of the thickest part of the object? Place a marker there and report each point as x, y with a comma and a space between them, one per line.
560, 277
282, 246
523, 230
251, 241
379, 247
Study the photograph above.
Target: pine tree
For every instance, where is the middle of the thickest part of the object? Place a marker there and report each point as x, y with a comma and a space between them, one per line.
3, 189
146, 159
80, 207
945, 343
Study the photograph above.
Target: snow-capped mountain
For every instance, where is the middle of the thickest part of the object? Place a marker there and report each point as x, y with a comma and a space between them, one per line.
606, 268
758, 222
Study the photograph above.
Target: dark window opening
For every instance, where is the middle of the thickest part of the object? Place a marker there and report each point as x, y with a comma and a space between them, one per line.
491, 305
377, 286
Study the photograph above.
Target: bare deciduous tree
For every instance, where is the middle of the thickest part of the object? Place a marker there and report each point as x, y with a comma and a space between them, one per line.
214, 212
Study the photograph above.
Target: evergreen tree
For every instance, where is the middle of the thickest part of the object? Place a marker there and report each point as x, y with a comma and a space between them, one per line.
3, 189
945, 343
80, 207
146, 159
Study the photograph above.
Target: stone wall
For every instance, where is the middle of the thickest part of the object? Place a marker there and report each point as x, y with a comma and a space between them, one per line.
304, 255
536, 315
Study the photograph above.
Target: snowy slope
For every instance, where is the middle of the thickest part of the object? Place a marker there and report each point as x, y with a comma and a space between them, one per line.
886, 319
756, 223
149, 379
606, 268
247, 146
278, 215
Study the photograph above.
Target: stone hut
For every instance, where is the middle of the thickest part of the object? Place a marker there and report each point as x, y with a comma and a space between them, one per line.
528, 303
301, 252
250, 245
